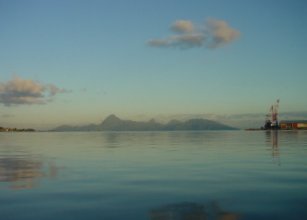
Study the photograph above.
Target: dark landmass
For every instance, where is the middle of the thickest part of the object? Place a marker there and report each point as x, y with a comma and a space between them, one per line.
2, 129
113, 123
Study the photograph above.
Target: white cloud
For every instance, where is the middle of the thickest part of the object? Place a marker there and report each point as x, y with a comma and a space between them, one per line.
220, 32
183, 26
20, 91
217, 33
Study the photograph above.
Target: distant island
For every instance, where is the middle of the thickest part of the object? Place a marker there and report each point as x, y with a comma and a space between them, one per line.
113, 123
2, 129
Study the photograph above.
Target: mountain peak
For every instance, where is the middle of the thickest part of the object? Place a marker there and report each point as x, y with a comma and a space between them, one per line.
113, 123
111, 119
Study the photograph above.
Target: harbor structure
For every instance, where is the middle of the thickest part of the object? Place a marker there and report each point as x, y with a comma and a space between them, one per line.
293, 124
272, 123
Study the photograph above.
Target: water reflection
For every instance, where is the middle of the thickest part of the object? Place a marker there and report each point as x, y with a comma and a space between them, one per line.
25, 173
118, 139
272, 139
192, 211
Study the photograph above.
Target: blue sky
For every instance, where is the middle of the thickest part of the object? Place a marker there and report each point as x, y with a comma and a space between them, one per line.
75, 62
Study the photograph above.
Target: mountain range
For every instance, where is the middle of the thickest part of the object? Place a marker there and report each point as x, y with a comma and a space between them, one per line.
113, 123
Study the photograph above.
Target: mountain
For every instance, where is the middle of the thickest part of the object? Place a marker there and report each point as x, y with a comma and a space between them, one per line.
196, 125
113, 123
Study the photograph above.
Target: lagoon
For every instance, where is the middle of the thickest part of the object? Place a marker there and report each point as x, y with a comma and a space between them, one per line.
153, 175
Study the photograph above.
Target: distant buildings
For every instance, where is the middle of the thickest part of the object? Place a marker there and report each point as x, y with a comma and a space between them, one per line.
293, 124
2, 129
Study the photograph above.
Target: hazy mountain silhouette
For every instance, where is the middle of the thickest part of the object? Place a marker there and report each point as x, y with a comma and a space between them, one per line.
113, 123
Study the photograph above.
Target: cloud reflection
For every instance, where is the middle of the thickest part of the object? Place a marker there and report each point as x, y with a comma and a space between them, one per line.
25, 173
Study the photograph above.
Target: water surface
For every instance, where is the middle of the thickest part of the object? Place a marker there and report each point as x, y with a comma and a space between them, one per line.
153, 175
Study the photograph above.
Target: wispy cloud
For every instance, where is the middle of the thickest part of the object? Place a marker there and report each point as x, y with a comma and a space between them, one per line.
302, 115
18, 91
7, 116
184, 41
213, 34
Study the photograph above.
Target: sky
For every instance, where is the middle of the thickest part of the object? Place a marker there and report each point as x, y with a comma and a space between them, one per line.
78, 61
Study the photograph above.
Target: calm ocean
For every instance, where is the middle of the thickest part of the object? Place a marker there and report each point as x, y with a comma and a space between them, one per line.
223, 175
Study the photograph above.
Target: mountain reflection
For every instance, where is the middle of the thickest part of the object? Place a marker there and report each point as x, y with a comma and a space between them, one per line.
192, 211
25, 173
